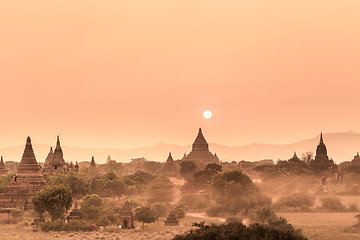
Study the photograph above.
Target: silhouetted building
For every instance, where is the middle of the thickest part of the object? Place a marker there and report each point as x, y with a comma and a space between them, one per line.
356, 160
75, 213
92, 163
200, 153
294, 158
170, 167
55, 160
27, 181
322, 162
3, 170
126, 217
171, 220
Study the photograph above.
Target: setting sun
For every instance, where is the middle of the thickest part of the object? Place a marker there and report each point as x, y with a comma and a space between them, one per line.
207, 114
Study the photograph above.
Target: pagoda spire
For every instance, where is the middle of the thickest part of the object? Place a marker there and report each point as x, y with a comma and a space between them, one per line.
200, 143
92, 163
170, 158
321, 139
58, 142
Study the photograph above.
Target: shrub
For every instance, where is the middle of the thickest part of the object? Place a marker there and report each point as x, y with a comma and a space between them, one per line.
233, 220
332, 204
194, 201
77, 225
56, 225
300, 201
215, 211
241, 232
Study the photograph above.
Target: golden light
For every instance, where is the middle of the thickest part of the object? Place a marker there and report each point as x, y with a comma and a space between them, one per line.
207, 114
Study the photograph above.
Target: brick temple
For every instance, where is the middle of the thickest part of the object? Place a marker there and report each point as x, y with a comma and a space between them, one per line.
27, 181
200, 153
55, 160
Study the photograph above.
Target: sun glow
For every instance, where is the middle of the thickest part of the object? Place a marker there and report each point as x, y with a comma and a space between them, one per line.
207, 114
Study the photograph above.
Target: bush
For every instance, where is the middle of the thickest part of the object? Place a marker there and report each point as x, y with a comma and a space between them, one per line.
56, 225
233, 220
77, 225
299, 201
215, 211
241, 232
194, 201
332, 204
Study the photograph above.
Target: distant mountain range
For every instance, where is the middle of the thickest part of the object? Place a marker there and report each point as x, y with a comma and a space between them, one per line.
341, 147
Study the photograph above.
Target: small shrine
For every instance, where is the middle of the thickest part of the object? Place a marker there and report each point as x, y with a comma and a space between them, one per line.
171, 220
126, 218
75, 213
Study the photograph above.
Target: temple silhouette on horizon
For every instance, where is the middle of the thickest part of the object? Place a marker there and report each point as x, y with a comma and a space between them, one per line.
200, 153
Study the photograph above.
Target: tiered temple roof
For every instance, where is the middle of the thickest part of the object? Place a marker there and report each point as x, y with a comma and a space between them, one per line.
200, 151
27, 181
171, 220
126, 217
55, 160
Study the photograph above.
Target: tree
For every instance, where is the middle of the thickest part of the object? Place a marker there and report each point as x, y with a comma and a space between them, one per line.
180, 210
214, 168
187, 168
307, 157
280, 230
145, 215
160, 208
55, 200
91, 206
235, 191
160, 190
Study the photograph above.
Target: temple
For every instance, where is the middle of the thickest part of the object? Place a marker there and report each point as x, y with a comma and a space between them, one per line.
322, 162
3, 170
126, 217
170, 167
27, 181
55, 160
200, 153
171, 220
92, 163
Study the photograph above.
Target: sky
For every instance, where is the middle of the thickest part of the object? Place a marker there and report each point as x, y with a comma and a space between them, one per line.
133, 73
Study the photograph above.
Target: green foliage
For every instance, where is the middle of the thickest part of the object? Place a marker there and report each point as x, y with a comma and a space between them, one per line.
179, 210
296, 200
60, 225
77, 225
160, 208
17, 214
235, 191
56, 200
56, 225
138, 178
187, 168
194, 201
332, 204
215, 211
160, 190
240, 232
152, 167
145, 215
5, 181
91, 206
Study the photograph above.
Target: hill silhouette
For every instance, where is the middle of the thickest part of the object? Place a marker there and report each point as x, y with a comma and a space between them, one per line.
341, 147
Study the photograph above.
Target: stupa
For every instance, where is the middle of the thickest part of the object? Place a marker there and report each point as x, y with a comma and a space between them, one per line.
92, 163
170, 167
27, 181
126, 218
200, 153
55, 160
171, 220
322, 162
3, 170
75, 213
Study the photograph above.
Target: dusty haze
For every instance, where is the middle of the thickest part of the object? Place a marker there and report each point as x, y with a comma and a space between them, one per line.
126, 74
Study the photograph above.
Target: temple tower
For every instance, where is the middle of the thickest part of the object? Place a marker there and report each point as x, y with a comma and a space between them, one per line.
55, 160
170, 167
322, 162
3, 170
27, 181
92, 163
126, 217
200, 153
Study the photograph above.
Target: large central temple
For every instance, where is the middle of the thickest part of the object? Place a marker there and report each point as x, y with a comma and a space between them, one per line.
200, 153
27, 181
322, 162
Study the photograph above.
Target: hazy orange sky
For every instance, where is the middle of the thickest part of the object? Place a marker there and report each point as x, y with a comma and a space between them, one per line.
124, 74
